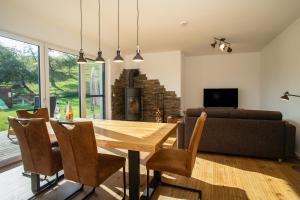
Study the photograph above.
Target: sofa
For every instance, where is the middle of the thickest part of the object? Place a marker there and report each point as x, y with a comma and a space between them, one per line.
241, 132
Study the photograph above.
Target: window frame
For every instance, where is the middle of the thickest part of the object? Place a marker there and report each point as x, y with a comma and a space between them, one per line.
41, 58
44, 83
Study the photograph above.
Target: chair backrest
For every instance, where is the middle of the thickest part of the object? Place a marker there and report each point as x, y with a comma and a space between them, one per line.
194, 141
39, 113
78, 150
34, 142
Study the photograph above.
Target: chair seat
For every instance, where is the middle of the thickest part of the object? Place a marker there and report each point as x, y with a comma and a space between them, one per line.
169, 160
108, 165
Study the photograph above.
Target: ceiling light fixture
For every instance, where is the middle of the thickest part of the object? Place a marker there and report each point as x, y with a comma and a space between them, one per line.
214, 44
137, 57
81, 59
118, 58
99, 58
223, 44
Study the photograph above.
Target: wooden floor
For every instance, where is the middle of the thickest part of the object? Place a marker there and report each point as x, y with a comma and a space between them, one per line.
219, 177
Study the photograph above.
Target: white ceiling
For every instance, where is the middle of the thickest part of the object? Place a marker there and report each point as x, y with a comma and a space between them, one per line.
248, 24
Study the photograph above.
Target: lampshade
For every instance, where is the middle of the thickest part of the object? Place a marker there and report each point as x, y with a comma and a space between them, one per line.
285, 96
118, 58
99, 58
138, 57
81, 59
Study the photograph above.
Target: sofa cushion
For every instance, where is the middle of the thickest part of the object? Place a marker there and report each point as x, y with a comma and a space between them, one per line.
255, 114
211, 112
235, 113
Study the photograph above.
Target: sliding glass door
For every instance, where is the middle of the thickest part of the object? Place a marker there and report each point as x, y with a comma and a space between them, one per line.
64, 81
94, 87
19, 78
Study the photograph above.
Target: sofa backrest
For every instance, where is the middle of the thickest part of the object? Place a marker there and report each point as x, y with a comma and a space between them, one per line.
235, 113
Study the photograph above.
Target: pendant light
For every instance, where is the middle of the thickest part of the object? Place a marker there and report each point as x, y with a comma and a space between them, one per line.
118, 58
81, 59
137, 57
99, 58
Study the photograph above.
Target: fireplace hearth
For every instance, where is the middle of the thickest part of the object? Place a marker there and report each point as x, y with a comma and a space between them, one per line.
134, 97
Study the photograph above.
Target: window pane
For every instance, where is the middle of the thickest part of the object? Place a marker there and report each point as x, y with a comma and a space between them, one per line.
94, 83
64, 81
19, 78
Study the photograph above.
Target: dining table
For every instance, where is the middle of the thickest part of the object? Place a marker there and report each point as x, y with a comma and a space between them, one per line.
135, 137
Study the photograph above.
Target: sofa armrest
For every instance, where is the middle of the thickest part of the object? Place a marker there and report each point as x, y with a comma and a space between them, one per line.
290, 137
180, 134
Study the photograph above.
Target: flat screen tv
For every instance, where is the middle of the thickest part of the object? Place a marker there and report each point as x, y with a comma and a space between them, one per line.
220, 97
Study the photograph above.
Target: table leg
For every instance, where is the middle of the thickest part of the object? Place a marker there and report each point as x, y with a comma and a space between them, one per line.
134, 174
152, 185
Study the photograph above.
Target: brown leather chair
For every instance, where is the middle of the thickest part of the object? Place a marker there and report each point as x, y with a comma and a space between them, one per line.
39, 113
38, 156
81, 161
182, 160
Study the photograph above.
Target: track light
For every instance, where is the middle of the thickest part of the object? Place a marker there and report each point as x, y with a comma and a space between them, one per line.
223, 44
214, 44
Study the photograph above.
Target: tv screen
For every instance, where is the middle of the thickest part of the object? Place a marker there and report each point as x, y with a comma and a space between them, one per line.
221, 97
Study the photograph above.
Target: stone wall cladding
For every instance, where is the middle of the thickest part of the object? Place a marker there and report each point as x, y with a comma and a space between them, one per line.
149, 89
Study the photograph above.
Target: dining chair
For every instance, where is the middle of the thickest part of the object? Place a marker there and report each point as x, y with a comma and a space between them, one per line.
81, 161
36, 113
38, 156
183, 161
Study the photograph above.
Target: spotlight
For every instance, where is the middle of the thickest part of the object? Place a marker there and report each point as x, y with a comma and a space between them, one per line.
214, 44
222, 46
229, 49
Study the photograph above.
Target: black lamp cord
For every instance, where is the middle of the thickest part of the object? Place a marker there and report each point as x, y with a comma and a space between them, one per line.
80, 25
99, 7
137, 25
118, 24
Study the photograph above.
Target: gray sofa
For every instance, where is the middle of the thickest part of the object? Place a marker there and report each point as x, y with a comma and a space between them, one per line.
241, 132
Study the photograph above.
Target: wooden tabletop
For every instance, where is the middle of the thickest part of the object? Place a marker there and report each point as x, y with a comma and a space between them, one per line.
135, 136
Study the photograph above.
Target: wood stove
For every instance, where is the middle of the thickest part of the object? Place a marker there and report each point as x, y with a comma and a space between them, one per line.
133, 106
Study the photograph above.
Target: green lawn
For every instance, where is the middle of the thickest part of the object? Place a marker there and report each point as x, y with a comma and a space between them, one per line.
62, 103
10, 112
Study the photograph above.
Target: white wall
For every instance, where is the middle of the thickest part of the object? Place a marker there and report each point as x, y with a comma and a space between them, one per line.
164, 66
281, 72
240, 71
15, 19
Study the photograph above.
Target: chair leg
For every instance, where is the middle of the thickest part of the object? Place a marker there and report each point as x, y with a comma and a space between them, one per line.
44, 188
183, 188
124, 183
89, 194
148, 184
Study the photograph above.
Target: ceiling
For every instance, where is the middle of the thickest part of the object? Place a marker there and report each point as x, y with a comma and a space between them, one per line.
248, 24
